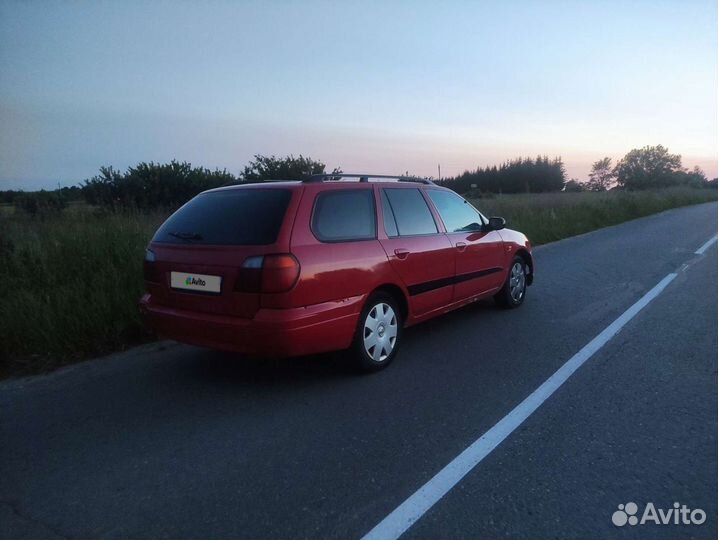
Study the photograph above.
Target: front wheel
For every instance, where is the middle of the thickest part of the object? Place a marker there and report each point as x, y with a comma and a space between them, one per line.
378, 333
513, 292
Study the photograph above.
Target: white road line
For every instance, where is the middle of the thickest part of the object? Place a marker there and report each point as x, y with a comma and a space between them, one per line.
408, 512
701, 250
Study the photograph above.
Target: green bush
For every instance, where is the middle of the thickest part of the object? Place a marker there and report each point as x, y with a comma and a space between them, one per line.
287, 168
41, 203
574, 186
152, 185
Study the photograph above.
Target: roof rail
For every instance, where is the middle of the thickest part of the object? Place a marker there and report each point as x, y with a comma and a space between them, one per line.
365, 178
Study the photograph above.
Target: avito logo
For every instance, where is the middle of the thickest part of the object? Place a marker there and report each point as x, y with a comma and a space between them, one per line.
194, 281
678, 515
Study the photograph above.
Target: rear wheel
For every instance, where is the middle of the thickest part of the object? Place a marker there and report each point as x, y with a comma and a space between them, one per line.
378, 333
513, 292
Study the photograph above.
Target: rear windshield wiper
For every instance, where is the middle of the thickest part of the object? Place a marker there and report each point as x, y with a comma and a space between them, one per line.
186, 235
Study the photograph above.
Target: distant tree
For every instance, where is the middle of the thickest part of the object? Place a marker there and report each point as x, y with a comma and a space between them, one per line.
649, 167
287, 168
574, 185
693, 178
699, 174
601, 175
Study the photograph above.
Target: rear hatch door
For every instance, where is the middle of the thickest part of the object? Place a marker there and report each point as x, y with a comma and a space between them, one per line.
200, 249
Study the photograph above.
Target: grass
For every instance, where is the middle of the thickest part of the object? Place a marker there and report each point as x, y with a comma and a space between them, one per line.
71, 281
553, 216
70, 286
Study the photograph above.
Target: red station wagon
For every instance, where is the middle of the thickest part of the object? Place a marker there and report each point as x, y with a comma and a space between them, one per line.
330, 263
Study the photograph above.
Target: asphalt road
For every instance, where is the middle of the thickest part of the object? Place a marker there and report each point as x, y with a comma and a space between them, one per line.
170, 441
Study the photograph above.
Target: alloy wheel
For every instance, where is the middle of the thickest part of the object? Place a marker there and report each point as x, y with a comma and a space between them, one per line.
517, 282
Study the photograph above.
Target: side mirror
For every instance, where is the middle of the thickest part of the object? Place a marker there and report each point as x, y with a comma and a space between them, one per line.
496, 224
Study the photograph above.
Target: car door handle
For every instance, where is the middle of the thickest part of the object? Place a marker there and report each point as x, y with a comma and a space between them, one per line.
461, 246
401, 253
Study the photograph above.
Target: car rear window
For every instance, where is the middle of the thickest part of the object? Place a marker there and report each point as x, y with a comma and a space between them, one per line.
230, 217
344, 215
411, 212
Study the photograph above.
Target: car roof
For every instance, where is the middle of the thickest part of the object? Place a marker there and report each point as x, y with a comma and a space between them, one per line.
335, 180
255, 185
339, 177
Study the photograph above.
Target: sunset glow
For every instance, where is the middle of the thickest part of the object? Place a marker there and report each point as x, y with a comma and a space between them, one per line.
380, 87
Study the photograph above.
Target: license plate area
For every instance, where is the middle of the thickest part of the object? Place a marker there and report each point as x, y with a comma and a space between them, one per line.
198, 283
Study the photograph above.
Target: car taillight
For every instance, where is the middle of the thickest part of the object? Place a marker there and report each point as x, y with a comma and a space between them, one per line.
279, 273
268, 274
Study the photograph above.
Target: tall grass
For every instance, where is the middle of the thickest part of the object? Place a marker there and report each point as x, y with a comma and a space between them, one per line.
70, 286
70, 281
546, 217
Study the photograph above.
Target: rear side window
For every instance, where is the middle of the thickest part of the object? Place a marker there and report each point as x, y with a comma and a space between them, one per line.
230, 217
411, 213
388, 213
344, 215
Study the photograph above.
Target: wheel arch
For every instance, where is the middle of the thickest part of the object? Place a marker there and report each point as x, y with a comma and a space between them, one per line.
398, 294
528, 259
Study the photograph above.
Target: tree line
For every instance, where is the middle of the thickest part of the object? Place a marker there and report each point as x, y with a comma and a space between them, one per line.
160, 185
650, 167
522, 175
168, 185
152, 185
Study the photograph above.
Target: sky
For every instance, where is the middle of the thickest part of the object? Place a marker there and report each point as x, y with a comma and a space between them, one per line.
372, 87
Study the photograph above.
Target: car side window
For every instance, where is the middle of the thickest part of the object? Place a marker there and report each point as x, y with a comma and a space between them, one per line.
410, 211
344, 215
456, 212
389, 219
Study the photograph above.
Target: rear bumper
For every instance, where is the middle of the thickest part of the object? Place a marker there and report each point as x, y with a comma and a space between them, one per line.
272, 332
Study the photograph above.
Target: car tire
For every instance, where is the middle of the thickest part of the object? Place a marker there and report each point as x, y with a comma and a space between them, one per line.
378, 333
513, 293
